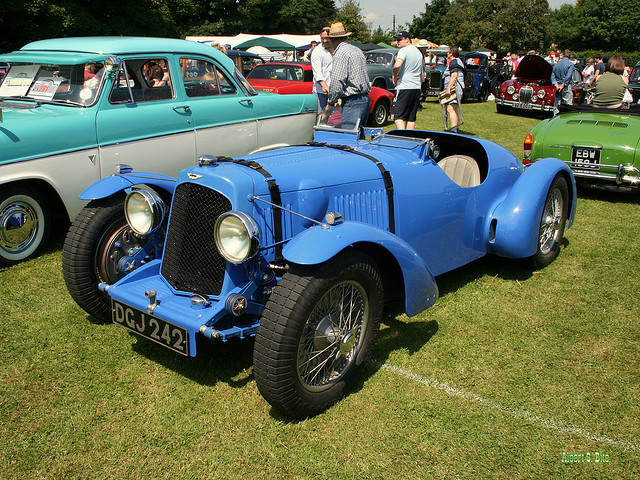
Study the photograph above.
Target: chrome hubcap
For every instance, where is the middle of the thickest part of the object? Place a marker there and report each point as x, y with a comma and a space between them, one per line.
551, 221
18, 227
332, 336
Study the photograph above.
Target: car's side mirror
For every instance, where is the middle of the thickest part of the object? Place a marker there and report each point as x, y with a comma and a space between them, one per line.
111, 64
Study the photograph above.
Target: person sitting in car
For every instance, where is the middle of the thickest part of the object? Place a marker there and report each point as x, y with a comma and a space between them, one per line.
610, 86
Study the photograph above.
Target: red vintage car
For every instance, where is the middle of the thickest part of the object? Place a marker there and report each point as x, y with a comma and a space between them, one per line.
531, 89
293, 77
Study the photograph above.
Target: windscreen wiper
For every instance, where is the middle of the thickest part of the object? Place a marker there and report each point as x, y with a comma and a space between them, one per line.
21, 97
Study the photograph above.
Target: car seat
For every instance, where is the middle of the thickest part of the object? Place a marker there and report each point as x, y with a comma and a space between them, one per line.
462, 169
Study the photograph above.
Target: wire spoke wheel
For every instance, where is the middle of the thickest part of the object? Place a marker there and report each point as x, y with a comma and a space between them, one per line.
552, 223
332, 336
316, 333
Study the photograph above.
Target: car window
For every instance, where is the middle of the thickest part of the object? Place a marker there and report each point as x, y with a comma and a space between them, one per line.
379, 58
142, 80
76, 85
635, 75
277, 72
203, 79
249, 62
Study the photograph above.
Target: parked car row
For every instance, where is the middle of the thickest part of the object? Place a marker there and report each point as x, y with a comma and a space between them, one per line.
479, 77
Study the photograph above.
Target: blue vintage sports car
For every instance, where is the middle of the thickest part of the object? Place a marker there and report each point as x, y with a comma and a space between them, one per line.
73, 109
300, 247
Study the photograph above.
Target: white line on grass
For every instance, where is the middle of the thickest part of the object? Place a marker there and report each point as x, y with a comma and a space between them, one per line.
514, 412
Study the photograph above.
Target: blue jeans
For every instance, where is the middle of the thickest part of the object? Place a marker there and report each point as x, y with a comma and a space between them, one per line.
322, 101
354, 107
564, 96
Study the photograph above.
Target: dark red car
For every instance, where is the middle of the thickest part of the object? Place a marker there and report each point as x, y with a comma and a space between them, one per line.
293, 77
531, 89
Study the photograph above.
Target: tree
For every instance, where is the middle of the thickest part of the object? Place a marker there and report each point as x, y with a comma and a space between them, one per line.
471, 24
350, 14
511, 34
497, 24
564, 27
429, 24
24, 21
306, 16
379, 35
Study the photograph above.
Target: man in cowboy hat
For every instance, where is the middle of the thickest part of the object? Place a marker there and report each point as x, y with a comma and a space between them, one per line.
349, 86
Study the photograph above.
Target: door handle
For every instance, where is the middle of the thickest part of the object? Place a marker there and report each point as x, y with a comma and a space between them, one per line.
184, 108
245, 100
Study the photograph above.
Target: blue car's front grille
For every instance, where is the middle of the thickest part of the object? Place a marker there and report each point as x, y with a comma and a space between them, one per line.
191, 260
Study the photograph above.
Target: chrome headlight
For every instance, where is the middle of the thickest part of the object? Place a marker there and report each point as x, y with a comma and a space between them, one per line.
144, 211
541, 93
510, 89
237, 236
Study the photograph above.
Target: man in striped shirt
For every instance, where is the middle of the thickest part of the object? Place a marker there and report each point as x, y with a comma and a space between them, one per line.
349, 86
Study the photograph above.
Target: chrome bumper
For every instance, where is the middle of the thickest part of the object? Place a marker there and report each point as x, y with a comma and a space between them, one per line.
524, 106
625, 174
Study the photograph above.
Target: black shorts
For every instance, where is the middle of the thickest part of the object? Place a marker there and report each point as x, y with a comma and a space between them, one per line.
405, 105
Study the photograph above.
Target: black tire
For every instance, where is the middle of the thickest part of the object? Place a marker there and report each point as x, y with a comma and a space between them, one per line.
96, 240
484, 93
495, 86
298, 323
553, 220
379, 114
25, 223
504, 109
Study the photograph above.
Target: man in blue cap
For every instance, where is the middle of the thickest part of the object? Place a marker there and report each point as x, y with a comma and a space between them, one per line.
408, 75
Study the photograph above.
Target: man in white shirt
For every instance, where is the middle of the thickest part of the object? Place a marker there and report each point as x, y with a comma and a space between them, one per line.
408, 75
321, 67
307, 54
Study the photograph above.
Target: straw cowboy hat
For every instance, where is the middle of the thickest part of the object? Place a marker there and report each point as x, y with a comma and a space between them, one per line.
337, 30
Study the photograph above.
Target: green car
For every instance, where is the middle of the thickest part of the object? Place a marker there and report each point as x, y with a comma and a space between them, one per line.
600, 145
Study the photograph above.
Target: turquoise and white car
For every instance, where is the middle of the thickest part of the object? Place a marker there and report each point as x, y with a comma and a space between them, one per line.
75, 110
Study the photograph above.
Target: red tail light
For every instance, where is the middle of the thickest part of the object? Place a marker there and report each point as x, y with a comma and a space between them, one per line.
528, 143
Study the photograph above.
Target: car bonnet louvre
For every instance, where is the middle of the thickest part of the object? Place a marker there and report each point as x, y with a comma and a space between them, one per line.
598, 123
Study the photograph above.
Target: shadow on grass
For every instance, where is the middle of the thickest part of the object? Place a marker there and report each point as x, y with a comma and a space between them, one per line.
231, 362
608, 193
215, 361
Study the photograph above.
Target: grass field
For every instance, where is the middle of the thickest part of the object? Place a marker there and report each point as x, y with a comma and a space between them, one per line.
512, 374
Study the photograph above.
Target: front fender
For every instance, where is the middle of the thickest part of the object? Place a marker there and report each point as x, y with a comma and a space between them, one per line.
107, 186
316, 245
517, 218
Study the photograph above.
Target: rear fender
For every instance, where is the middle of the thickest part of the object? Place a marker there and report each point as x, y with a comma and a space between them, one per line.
515, 222
107, 186
317, 245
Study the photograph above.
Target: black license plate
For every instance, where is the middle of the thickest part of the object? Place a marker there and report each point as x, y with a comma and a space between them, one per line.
585, 159
155, 329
